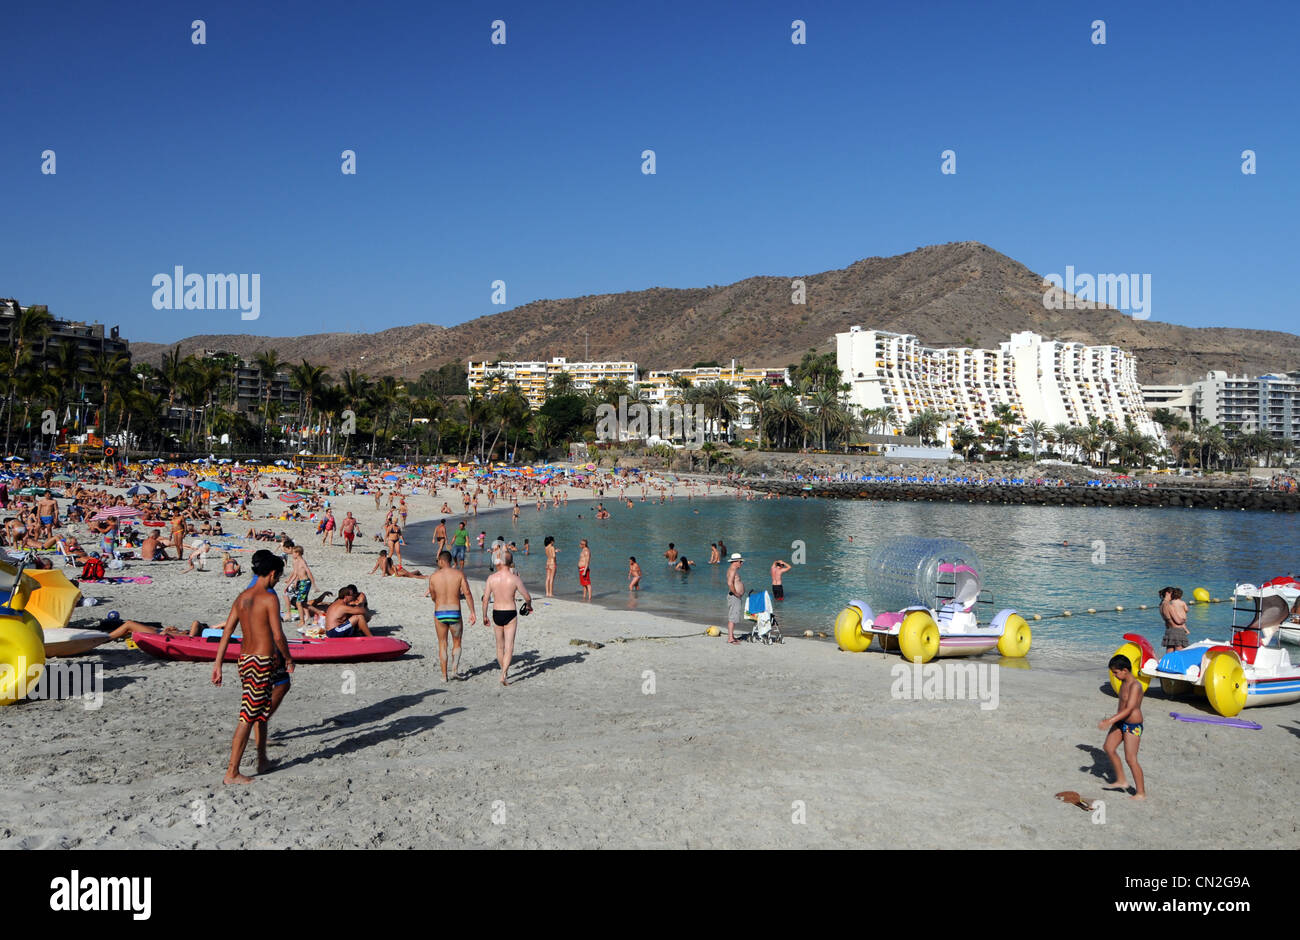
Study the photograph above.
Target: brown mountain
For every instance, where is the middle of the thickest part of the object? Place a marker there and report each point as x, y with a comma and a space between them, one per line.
958, 294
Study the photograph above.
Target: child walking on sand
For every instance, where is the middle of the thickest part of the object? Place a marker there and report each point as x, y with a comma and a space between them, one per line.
1125, 725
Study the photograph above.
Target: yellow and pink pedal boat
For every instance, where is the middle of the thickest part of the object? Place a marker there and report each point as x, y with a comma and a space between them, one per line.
931, 589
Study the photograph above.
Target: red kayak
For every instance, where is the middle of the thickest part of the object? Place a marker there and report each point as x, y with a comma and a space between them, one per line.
193, 649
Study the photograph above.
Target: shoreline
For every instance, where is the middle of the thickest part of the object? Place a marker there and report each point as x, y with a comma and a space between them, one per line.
1182, 497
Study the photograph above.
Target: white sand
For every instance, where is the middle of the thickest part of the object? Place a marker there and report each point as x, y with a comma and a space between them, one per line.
724, 753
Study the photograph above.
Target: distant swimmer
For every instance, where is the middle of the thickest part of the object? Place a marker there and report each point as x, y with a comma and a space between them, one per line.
447, 586
683, 564
671, 554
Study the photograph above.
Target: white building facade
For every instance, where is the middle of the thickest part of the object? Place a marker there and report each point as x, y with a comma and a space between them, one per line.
1039, 379
1245, 405
533, 377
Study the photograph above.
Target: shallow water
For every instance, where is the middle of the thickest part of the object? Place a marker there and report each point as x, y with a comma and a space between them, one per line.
1113, 557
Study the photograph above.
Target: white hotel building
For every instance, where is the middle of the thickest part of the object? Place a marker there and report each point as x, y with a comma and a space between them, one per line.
533, 377
1043, 380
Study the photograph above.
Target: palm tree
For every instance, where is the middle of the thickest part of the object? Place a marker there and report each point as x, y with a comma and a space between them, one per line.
30, 326
1036, 431
268, 366
964, 440
785, 414
761, 395
309, 380
561, 383
826, 412
926, 426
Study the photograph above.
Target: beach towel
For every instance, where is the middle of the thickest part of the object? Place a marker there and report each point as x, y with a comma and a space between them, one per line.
142, 579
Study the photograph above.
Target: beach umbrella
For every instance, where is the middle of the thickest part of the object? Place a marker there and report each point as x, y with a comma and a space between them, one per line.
177, 472
184, 481
117, 512
288, 498
140, 489
63, 478
22, 590
14, 459
54, 599
279, 463
212, 485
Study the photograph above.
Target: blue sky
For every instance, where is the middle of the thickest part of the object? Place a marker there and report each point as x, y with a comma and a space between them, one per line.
522, 162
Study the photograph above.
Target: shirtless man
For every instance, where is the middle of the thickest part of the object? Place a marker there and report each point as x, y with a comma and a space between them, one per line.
633, 574
440, 536
584, 569
264, 653
551, 551
500, 590
671, 554
48, 510
447, 586
153, 548
779, 567
349, 529
346, 617
735, 596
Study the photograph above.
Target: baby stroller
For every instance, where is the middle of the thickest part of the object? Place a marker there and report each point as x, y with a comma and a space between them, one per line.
758, 608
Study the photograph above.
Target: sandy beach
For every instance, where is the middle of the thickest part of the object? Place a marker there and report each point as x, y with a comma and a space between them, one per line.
661, 738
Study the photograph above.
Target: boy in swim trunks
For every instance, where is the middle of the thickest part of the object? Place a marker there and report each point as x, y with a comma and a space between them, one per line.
257, 611
1125, 725
447, 586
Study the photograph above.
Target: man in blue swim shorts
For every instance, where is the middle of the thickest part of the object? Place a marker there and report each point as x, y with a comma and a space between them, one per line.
447, 586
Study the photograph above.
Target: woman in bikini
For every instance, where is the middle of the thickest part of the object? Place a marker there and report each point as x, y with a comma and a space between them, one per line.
549, 544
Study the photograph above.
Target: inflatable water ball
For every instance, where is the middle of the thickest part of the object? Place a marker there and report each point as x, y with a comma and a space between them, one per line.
1092, 610
1201, 595
1038, 616
714, 631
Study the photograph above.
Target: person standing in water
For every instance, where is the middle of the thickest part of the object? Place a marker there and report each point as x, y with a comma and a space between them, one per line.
779, 567
584, 569
499, 596
551, 551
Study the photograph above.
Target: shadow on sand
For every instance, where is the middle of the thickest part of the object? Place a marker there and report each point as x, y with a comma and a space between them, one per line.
527, 665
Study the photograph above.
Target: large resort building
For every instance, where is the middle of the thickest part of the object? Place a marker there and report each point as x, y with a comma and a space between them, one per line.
533, 378
1039, 379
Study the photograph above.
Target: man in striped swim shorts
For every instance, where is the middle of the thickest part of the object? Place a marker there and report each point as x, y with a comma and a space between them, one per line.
447, 585
264, 662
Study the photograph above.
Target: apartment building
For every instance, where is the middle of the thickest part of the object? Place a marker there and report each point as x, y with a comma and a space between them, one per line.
1244, 405
533, 378
91, 338
660, 387
1041, 380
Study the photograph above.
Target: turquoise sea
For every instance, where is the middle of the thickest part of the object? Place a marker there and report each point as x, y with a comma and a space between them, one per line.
1113, 557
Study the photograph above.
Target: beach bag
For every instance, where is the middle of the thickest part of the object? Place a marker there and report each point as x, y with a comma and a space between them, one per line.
92, 570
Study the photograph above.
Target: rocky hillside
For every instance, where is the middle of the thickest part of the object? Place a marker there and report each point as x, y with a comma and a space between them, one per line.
963, 293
